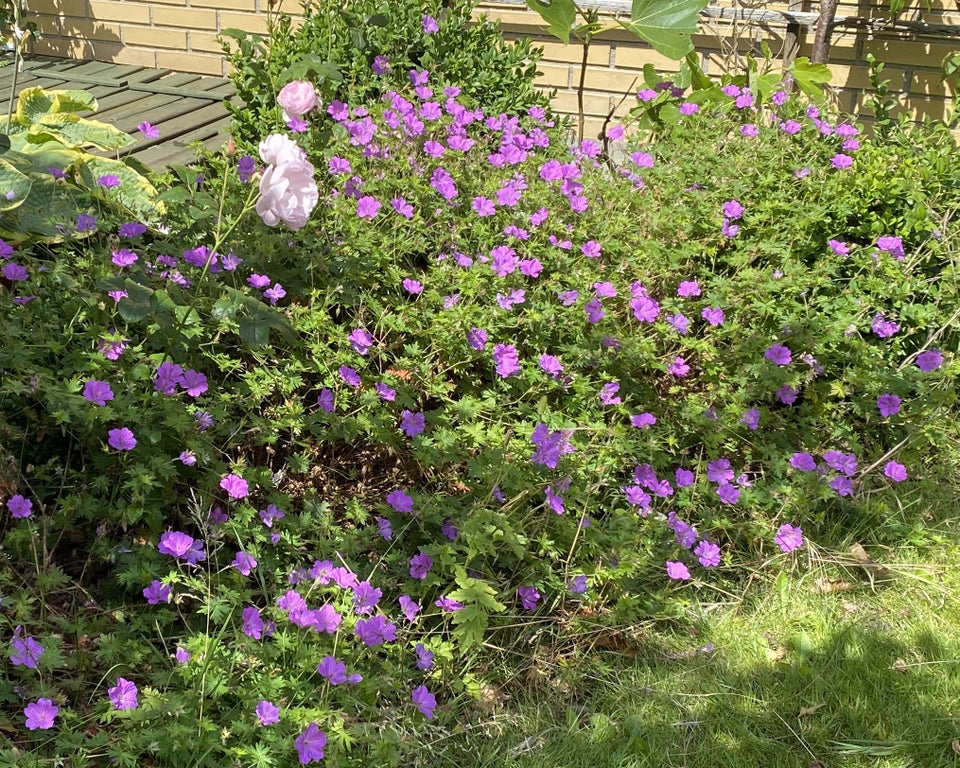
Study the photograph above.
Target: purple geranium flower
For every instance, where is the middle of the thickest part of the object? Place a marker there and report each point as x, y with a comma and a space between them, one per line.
409, 607
425, 701
97, 392
529, 597
708, 554
420, 565
244, 563
678, 367
267, 713
360, 340
121, 439
929, 360
235, 486
176, 544
19, 506
349, 375
713, 315
677, 571
728, 493
424, 657
157, 592
25, 651
803, 461
368, 207
643, 420
789, 537
412, 424
506, 360
608, 394
751, 418
778, 354
888, 404
375, 631
252, 622
325, 400
149, 130
719, 471
40, 714
310, 744
123, 695
895, 471
167, 378
400, 501
194, 382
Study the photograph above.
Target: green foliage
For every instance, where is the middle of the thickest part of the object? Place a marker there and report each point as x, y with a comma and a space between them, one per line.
560, 16
336, 46
666, 26
50, 176
335, 461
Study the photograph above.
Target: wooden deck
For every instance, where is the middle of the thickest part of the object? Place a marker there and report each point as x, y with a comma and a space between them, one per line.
185, 108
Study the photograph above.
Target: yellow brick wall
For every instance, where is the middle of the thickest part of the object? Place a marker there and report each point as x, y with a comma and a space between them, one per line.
181, 35
172, 34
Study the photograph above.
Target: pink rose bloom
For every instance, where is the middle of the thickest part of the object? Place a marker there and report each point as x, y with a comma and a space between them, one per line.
278, 149
297, 98
288, 192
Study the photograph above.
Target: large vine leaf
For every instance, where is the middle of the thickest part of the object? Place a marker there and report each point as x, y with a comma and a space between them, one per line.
560, 16
809, 77
667, 26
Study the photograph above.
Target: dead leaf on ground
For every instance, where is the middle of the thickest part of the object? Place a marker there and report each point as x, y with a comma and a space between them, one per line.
955, 745
776, 654
805, 711
829, 586
874, 570
900, 665
490, 699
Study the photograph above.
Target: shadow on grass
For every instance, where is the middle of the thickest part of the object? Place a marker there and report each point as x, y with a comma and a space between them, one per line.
861, 678
856, 698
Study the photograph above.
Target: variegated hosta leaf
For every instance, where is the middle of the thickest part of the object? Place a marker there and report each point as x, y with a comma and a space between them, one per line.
46, 215
134, 191
14, 186
77, 132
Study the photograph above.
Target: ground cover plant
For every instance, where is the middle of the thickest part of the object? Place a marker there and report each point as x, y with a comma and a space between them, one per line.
276, 463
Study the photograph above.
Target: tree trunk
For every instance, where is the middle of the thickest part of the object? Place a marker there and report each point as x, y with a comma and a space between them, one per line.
821, 43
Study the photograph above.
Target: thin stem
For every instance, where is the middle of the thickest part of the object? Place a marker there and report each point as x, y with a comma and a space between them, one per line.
580, 87
218, 241
18, 38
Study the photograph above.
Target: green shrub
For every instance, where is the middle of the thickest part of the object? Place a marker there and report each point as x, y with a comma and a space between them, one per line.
355, 52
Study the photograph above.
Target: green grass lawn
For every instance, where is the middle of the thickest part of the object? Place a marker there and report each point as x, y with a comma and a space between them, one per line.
817, 666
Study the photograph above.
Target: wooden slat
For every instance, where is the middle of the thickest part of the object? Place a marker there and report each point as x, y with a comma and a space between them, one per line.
179, 151
172, 131
185, 108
